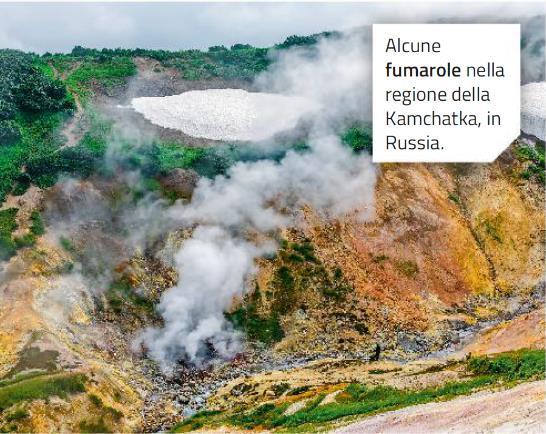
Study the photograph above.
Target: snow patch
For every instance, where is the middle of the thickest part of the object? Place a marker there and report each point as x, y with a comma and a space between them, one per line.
226, 114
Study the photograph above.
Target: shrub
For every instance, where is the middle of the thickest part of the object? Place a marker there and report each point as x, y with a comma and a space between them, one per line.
26, 240
358, 139
517, 365
37, 227
9, 133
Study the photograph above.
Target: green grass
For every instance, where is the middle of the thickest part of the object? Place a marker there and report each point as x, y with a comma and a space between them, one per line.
7, 226
17, 414
67, 245
358, 399
109, 73
298, 390
41, 388
454, 197
512, 366
257, 327
533, 156
95, 140
195, 422
95, 400
171, 156
297, 270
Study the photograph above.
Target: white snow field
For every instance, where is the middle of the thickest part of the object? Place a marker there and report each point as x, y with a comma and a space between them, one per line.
226, 114
533, 109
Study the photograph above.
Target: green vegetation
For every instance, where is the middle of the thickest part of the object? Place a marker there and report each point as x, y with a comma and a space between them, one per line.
280, 388
105, 71
300, 269
454, 197
491, 228
359, 399
32, 106
298, 390
109, 67
95, 426
378, 259
533, 156
34, 103
257, 327
122, 297
170, 156
27, 240
95, 139
17, 414
7, 226
95, 400
105, 412
195, 422
511, 366
264, 415
67, 245
41, 387
302, 41
407, 268
358, 138
37, 226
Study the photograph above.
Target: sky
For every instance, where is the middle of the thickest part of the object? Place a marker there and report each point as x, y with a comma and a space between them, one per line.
58, 27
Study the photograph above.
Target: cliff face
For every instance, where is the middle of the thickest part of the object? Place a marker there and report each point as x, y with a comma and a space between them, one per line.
448, 245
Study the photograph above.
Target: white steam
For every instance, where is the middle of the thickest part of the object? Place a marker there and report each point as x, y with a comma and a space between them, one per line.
336, 74
213, 266
217, 262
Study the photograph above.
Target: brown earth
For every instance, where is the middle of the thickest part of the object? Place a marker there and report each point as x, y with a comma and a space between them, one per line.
447, 246
525, 331
520, 409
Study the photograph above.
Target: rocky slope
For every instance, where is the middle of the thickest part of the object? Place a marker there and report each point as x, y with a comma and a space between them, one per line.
447, 251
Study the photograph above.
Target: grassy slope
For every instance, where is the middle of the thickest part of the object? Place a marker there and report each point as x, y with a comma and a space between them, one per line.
506, 369
40, 387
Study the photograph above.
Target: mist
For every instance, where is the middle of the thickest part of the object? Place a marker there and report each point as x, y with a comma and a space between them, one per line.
216, 264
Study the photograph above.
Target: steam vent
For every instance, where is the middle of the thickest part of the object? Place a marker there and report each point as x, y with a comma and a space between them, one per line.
533, 109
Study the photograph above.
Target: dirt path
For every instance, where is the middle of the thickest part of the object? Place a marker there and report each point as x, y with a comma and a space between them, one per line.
71, 129
520, 409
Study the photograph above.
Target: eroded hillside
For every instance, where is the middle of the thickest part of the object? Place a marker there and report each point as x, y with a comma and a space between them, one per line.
444, 251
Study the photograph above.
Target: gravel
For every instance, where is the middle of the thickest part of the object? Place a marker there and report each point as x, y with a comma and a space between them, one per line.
226, 114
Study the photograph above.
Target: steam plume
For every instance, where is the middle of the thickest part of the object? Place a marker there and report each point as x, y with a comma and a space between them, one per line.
215, 264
